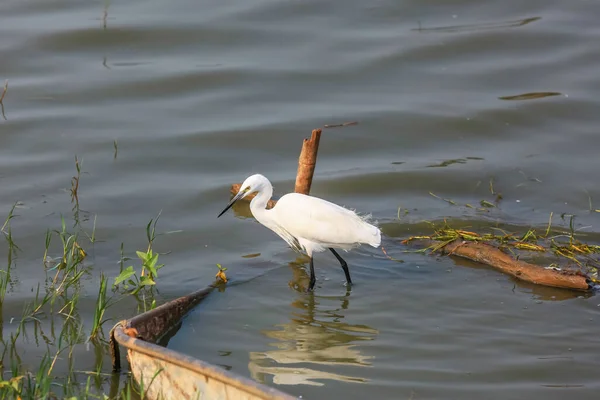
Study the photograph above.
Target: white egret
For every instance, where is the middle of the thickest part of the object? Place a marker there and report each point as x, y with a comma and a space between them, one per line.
308, 224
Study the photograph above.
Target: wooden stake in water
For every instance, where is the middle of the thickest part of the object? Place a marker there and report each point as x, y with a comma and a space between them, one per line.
307, 162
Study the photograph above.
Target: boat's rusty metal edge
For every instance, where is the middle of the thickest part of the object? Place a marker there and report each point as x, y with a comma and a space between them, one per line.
162, 367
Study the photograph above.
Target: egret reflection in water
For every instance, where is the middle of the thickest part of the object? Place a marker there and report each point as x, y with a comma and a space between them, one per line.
317, 341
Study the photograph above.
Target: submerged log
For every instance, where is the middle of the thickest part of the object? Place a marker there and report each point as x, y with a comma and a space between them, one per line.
494, 257
306, 168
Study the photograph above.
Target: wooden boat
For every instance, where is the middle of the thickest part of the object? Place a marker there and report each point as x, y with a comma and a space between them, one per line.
168, 374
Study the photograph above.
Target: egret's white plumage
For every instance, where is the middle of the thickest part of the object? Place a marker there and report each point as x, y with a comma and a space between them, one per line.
307, 223
319, 224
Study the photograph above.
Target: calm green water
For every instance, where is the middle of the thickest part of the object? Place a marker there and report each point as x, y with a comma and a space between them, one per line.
199, 95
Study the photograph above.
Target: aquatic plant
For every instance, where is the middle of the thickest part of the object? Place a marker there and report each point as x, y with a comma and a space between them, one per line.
53, 317
12, 248
150, 267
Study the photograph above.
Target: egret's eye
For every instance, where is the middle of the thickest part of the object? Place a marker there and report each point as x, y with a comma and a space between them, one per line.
247, 189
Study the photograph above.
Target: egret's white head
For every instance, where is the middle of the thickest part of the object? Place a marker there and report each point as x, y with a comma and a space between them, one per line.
252, 184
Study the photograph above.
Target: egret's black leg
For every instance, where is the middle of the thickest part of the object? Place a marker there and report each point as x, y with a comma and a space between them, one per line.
344, 266
311, 285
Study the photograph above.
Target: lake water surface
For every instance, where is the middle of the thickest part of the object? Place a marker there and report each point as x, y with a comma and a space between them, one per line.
198, 95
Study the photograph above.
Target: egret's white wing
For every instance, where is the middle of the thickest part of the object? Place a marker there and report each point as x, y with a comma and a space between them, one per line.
322, 222
288, 237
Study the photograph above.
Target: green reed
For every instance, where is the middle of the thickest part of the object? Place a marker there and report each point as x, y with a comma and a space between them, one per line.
52, 321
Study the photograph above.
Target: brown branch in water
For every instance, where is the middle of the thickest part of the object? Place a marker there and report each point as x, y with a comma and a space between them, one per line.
307, 162
4, 91
495, 258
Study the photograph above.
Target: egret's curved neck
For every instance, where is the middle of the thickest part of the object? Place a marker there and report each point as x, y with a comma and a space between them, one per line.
258, 205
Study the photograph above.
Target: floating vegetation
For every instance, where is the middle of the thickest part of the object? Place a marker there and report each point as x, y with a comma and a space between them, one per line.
446, 163
575, 267
485, 205
562, 244
221, 274
402, 211
340, 125
253, 255
477, 27
446, 200
530, 96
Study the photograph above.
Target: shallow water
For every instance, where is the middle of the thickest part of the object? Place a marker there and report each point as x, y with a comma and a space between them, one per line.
198, 96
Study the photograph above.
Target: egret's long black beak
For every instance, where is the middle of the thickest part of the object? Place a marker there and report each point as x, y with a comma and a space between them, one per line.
232, 202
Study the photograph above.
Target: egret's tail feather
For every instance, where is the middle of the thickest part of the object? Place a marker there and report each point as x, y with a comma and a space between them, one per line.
376, 237
372, 234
